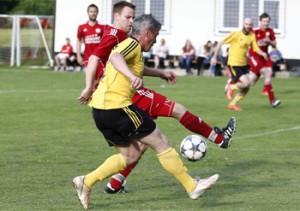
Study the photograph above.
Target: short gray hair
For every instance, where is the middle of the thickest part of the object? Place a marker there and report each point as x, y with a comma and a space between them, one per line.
145, 21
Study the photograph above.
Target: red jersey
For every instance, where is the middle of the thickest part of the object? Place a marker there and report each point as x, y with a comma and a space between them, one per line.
152, 103
91, 37
261, 35
68, 49
111, 37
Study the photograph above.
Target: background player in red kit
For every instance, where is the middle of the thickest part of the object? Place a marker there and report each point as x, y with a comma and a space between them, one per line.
90, 34
265, 37
151, 102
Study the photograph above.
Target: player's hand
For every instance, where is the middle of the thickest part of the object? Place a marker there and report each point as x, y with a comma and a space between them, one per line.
170, 77
267, 40
85, 96
80, 60
137, 83
265, 55
213, 60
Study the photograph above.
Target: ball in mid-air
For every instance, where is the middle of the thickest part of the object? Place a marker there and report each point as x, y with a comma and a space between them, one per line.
193, 147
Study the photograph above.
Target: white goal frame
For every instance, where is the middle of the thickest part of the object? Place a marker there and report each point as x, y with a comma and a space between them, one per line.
15, 54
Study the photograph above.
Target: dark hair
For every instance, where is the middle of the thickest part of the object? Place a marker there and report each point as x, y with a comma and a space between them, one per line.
264, 15
118, 7
145, 21
93, 6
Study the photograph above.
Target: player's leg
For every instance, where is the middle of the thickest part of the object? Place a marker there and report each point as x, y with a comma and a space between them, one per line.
112, 165
243, 85
253, 78
144, 99
155, 104
236, 84
109, 122
233, 84
171, 162
199, 126
118, 180
267, 72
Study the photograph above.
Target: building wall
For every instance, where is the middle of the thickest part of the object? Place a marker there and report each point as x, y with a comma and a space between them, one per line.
190, 19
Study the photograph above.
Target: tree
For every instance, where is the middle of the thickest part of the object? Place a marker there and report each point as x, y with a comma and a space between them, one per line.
8, 5
27, 7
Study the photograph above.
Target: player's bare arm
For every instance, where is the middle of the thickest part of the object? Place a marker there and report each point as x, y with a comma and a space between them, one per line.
270, 42
89, 80
169, 76
263, 54
78, 52
119, 63
216, 53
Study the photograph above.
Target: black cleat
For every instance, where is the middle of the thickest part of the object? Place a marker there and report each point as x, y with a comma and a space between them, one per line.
227, 133
109, 190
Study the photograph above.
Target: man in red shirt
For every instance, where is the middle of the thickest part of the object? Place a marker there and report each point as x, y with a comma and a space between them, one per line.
89, 34
153, 103
65, 53
265, 37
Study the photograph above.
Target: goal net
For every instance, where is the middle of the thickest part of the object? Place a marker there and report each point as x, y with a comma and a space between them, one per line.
25, 40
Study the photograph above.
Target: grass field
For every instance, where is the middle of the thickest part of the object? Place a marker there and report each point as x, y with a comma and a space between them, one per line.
47, 138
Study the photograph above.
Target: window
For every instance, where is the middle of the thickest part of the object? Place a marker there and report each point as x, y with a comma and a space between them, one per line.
231, 13
160, 9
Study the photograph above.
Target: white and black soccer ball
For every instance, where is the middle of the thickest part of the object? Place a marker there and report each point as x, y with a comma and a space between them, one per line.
193, 147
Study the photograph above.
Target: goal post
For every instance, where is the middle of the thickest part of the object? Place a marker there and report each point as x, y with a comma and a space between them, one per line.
25, 40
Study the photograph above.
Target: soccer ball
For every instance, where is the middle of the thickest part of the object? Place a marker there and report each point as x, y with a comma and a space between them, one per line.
193, 147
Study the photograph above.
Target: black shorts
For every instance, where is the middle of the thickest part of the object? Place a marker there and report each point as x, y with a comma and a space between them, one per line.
121, 126
238, 71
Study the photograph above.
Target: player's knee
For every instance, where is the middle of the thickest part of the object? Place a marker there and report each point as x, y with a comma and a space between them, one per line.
133, 157
178, 111
163, 143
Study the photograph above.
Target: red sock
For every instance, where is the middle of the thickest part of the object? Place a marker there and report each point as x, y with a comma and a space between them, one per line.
197, 125
269, 89
115, 183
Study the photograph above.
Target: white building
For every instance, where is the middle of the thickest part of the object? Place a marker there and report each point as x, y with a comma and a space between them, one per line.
197, 20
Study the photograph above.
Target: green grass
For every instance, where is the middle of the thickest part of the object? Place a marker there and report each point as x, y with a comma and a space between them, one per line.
47, 138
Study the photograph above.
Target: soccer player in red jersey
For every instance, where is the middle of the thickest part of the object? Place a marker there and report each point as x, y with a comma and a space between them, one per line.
265, 37
153, 103
89, 34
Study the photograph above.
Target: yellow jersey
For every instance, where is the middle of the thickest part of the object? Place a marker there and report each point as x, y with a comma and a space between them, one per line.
239, 46
114, 89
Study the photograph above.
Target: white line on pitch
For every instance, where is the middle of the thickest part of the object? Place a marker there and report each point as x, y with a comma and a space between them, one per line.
269, 133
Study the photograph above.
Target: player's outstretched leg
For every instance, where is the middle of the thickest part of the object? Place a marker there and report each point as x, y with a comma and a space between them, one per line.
227, 133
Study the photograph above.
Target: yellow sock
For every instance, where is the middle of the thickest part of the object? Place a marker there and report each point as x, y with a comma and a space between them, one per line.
171, 162
238, 97
234, 87
111, 165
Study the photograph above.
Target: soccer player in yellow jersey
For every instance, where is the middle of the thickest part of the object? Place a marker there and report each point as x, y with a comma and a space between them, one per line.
153, 103
239, 41
124, 125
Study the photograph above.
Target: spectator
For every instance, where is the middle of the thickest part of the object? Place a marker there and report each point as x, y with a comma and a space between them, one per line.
215, 69
276, 58
161, 55
65, 54
147, 55
187, 56
204, 56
